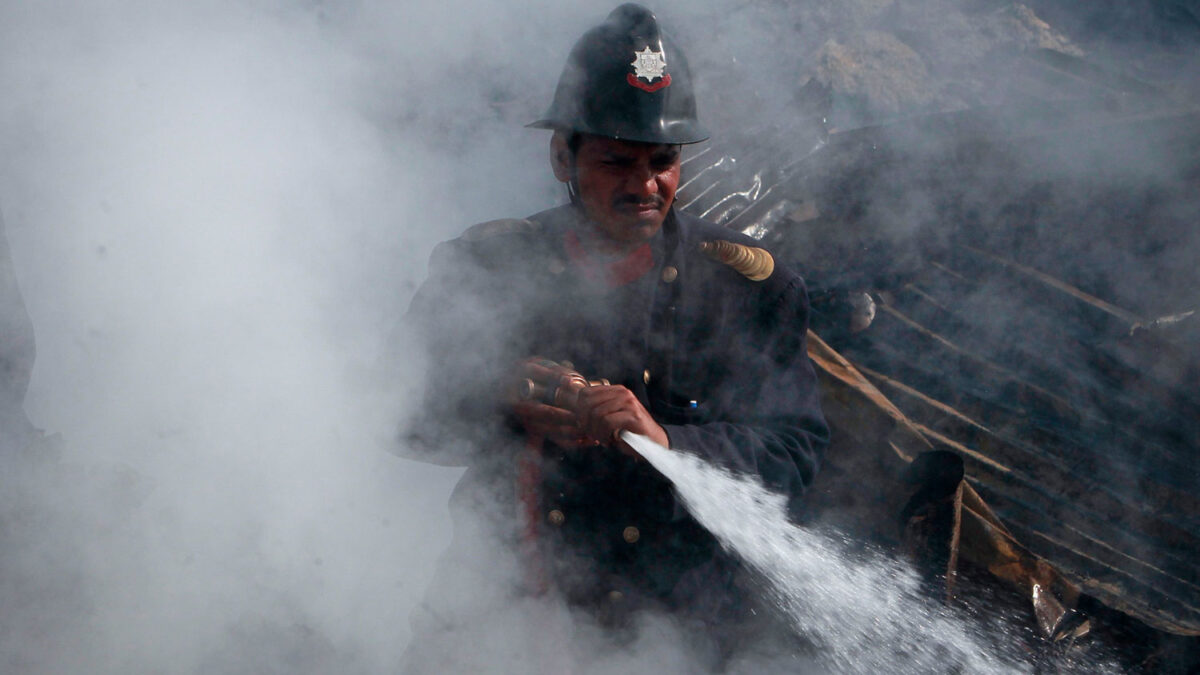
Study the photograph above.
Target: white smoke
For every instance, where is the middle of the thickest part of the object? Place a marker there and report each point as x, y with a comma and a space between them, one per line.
214, 240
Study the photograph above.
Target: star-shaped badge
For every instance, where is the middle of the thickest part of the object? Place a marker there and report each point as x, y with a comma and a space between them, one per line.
649, 66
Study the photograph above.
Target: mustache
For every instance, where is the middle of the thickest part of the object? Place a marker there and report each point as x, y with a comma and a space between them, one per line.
656, 201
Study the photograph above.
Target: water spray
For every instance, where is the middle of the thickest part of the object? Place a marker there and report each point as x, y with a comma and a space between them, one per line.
865, 611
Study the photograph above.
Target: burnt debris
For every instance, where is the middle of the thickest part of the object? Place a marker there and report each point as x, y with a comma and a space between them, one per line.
1017, 276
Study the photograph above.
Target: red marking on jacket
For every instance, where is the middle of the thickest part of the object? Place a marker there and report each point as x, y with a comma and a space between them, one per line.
529, 480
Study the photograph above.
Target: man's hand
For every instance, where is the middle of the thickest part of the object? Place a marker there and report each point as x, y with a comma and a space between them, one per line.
553, 424
540, 419
604, 410
595, 415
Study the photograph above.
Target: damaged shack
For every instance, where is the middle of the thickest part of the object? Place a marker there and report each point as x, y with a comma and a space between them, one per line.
1000, 236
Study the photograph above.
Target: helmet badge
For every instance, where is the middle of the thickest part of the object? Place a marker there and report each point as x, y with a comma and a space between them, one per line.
649, 65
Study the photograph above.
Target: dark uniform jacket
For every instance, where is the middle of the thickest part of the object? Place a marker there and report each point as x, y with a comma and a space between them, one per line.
718, 360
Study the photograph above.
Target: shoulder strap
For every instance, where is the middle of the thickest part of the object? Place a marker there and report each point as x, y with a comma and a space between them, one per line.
754, 263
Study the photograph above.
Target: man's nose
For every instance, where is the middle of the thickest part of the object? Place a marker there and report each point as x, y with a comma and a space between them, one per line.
642, 181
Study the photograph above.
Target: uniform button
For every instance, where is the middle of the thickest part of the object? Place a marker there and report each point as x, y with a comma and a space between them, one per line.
556, 266
631, 534
646, 376
670, 274
615, 596
556, 517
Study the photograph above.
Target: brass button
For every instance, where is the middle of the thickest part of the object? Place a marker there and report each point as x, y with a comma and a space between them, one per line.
631, 534
670, 274
646, 376
556, 267
615, 596
556, 517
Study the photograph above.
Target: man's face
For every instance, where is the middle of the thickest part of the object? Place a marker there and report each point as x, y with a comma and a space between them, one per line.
626, 188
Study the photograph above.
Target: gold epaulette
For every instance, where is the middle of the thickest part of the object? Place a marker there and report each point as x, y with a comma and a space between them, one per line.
754, 263
493, 228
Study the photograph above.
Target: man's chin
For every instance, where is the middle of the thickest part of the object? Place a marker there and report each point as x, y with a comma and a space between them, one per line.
648, 220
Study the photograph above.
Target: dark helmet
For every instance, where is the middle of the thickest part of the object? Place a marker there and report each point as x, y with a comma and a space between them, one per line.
626, 80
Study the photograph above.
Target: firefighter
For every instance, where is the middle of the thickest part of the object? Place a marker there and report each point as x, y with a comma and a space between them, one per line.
672, 328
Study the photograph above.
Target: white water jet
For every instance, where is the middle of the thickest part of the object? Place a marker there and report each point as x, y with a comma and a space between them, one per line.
865, 610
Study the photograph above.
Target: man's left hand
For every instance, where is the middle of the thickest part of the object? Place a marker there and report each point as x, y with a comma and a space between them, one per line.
605, 410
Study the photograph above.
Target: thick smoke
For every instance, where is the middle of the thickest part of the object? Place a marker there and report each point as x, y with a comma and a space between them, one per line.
217, 214
214, 238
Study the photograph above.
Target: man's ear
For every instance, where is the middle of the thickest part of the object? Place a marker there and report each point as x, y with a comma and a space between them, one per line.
560, 158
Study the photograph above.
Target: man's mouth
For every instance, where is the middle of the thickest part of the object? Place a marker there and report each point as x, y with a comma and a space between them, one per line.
640, 206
